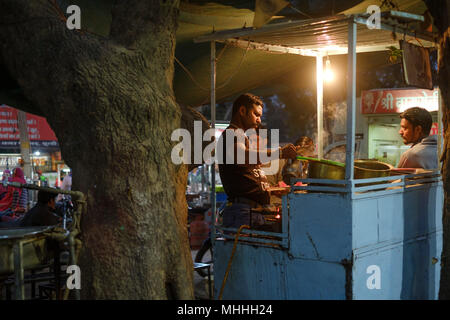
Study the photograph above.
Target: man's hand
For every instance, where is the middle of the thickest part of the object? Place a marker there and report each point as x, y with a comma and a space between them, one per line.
288, 152
279, 191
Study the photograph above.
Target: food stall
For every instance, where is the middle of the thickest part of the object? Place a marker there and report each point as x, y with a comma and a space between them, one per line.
346, 236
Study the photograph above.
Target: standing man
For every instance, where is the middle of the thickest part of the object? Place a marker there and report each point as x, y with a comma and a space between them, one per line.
415, 128
43, 179
66, 185
244, 183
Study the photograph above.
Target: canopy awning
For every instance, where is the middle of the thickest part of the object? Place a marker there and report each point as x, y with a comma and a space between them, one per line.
341, 34
327, 36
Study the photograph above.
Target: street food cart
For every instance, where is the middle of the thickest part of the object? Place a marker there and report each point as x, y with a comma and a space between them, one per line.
346, 238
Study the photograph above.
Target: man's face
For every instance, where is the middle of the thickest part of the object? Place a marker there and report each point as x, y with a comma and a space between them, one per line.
409, 133
252, 118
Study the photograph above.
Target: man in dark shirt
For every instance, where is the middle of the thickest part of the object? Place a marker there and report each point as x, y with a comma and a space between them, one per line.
41, 214
243, 180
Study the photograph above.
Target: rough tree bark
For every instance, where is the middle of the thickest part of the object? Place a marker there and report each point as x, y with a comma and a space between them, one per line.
440, 10
112, 107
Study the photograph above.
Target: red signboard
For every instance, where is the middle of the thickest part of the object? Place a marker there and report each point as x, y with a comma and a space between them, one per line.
434, 129
398, 100
39, 132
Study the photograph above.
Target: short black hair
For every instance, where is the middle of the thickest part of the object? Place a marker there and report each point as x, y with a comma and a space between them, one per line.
418, 117
247, 100
44, 196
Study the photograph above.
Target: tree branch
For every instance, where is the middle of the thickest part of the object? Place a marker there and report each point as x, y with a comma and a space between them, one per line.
134, 22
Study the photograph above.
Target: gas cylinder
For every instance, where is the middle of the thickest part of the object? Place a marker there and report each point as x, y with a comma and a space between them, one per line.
198, 232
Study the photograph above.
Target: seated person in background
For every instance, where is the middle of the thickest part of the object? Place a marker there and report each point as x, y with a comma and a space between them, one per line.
415, 128
40, 215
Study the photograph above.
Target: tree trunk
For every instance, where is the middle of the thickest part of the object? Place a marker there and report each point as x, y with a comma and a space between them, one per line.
111, 105
440, 10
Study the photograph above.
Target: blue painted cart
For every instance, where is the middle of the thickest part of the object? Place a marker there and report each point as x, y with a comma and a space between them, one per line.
378, 238
382, 241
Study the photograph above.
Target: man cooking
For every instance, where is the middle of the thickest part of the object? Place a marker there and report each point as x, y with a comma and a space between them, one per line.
244, 182
415, 128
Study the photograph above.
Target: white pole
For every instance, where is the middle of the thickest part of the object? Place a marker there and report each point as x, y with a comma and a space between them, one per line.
213, 125
440, 135
319, 88
351, 101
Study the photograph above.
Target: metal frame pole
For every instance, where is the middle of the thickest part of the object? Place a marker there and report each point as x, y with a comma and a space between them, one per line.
213, 125
440, 133
319, 88
18, 270
351, 101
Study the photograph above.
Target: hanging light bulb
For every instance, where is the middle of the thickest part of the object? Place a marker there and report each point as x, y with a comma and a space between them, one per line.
329, 74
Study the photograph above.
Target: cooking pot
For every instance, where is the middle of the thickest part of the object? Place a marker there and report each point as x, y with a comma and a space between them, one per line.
363, 169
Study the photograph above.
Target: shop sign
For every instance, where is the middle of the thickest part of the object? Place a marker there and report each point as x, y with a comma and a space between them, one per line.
39, 132
10, 161
434, 129
33, 144
398, 100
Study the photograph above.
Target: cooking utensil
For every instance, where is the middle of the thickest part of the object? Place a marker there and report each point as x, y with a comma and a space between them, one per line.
365, 169
400, 171
339, 164
326, 169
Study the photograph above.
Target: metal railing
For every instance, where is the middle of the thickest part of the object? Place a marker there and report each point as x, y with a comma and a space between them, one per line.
358, 186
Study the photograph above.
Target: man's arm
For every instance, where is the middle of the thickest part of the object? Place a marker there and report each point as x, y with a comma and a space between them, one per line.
286, 152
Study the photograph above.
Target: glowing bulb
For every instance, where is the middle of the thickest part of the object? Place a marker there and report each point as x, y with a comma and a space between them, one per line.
328, 74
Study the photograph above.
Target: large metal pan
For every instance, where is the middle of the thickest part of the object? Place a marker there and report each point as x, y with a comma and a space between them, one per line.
364, 169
